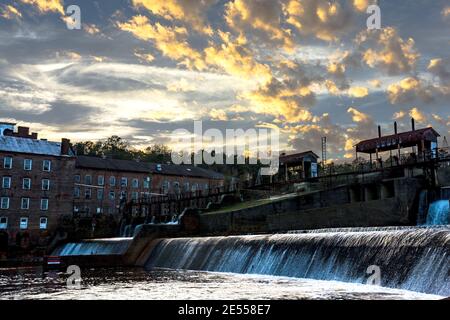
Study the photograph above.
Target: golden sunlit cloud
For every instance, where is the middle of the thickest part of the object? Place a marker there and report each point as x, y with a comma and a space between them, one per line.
358, 92
171, 41
91, 28
389, 52
217, 114
361, 5
407, 90
10, 12
375, 83
47, 5
192, 12
324, 19
147, 57
264, 16
358, 116
399, 115
418, 115
446, 11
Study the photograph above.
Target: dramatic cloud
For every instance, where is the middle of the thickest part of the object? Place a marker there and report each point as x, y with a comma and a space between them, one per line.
191, 11
408, 90
9, 12
259, 16
171, 41
385, 49
47, 5
320, 18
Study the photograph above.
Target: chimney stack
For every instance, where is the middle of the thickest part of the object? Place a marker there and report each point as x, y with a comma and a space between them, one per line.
65, 147
23, 132
395, 127
379, 131
413, 124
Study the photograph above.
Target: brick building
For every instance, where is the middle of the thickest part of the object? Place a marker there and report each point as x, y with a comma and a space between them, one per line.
42, 181
35, 185
101, 185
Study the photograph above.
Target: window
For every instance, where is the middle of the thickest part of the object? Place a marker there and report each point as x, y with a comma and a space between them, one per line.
77, 192
45, 184
77, 178
112, 195
100, 194
88, 179
3, 223
135, 183
166, 187
124, 182
46, 165
25, 204
26, 184
43, 221
27, 164
101, 180
186, 187
4, 203
7, 163
112, 181
147, 183
6, 183
23, 223
123, 195
88, 193
44, 204
176, 187
135, 195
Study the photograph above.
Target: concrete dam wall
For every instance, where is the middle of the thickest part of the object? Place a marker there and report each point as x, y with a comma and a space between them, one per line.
384, 203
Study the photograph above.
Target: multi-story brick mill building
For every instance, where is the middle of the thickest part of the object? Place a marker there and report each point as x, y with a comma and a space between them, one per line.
36, 186
43, 181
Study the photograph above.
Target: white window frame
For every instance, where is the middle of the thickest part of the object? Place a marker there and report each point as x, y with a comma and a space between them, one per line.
77, 192
4, 225
135, 183
27, 207
77, 178
10, 163
48, 184
23, 183
100, 192
44, 162
44, 207
7, 203
43, 225
89, 183
25, 167
9, 182
135, 195
86, 192
124, 182
101, 180
112, 195
146, 183
23, 223
112, 181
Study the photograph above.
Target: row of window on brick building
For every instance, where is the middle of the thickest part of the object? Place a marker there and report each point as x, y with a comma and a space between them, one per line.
27, 164
23, 223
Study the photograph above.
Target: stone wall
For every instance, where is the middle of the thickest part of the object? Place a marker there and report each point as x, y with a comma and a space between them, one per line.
386, 203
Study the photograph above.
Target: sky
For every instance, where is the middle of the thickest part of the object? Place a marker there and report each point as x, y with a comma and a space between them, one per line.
141, 69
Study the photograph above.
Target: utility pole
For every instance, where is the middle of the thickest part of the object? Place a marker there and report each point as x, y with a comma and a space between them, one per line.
324, 152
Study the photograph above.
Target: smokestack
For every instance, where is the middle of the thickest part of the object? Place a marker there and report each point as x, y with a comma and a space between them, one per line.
65, 147
395, 127
379, 131
413, 124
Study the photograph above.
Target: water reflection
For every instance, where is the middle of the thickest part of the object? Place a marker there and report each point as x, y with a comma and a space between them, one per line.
137, 284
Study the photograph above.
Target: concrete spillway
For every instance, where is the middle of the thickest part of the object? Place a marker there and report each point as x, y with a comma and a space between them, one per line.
112, 246
413, 259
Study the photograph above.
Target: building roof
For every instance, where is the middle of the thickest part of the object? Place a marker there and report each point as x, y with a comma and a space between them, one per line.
89, 162
391, 142
31, 146
297, 157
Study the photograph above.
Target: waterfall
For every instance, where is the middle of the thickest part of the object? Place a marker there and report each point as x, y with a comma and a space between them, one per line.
423, 207
414, 259
112, 246
439, 213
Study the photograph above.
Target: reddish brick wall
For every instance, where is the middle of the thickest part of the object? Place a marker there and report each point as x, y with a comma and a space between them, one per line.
59, 196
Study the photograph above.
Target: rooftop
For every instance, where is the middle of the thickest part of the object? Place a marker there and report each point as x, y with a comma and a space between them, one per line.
31, 146
145, 167
296, 157
391, 142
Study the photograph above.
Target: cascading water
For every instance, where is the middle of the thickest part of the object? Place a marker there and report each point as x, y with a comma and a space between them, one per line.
414, 259
439, 213
112, 246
